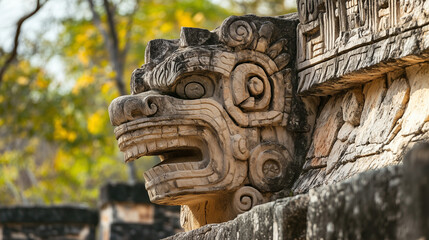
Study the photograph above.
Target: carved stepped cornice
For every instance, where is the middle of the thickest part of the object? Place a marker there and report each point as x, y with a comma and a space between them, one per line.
349, 42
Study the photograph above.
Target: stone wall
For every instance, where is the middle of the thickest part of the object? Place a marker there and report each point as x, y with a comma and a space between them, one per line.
367, 127
387, 203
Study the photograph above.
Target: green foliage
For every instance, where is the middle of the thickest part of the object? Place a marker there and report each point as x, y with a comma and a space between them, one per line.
56, 142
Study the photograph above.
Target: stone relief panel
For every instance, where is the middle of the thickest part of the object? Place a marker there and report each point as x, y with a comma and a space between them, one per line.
344, 43
216, 107
327, 25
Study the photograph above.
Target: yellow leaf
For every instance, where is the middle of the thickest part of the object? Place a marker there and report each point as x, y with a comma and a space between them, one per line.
22, 80
96, 122
184, 19
42, 83
82, 82
83, 57
62, 133
199, 17
166, 27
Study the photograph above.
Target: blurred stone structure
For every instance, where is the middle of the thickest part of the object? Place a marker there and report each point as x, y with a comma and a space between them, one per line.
48, 223
318, 107
127, 213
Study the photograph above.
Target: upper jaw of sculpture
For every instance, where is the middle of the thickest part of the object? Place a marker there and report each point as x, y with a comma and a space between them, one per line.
184, 134
209, 105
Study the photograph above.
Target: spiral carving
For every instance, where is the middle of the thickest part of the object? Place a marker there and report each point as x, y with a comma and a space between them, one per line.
250, 86
239, 147
245, 199
270, 167
237, 32
134, 108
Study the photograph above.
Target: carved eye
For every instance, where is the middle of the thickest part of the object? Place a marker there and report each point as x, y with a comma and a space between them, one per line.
194, 87
194, 90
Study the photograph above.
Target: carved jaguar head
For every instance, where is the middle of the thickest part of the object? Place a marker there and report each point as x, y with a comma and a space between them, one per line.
214, 106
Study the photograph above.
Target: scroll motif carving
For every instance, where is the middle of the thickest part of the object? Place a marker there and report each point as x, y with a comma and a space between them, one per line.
245, 198
268, 165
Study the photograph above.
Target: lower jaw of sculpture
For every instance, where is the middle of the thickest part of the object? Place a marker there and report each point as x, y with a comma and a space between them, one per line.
186, 159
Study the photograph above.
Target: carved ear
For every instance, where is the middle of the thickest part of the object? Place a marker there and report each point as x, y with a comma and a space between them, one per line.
196, 37
157, 50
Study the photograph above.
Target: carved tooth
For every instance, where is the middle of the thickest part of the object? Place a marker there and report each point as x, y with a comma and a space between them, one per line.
161, 144
148, 173
158, 171
188, 166
181, 166
173, 142
165, 168
195, 165
127, 155
183, 142
172, 167
146, 176
151, 146
153, 192
134, 151
142, 149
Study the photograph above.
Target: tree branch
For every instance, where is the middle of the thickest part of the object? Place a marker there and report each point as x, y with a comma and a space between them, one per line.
14, 52
97, 21
127, 39
110, 42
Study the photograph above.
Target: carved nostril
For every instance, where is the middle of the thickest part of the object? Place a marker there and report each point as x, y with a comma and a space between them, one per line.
128, 108
132, 109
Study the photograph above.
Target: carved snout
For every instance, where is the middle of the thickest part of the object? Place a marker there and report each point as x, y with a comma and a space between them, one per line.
131, 107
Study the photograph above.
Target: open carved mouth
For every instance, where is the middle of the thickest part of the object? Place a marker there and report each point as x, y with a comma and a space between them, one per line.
179, 147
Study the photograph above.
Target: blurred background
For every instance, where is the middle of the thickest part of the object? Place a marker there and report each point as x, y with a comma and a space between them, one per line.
61, 63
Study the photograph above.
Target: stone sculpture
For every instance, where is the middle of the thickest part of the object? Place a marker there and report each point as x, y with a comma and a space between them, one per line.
265, 107
216, 107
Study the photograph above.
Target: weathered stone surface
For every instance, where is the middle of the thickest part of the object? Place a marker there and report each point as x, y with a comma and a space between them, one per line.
363, 207
345, 131
280, 219
390, 110
388, 126
374, 95
388, 203
327, 126
417, 112
352, 106
335, 155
